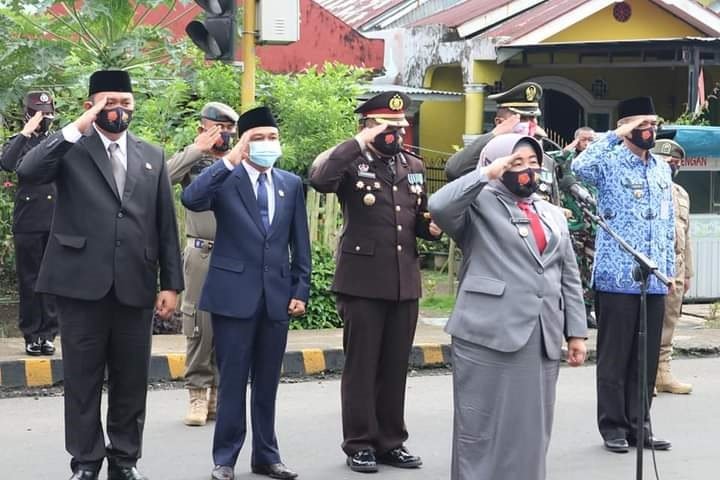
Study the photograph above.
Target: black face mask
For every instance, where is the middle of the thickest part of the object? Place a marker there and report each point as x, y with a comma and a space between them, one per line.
643, 138
523, 183
115, 120
226, 142
387, 143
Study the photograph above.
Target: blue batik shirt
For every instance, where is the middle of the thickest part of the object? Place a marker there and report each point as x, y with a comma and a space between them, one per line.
635, 199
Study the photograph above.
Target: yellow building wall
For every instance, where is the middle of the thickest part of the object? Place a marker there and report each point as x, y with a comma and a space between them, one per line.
442, 123
647, 21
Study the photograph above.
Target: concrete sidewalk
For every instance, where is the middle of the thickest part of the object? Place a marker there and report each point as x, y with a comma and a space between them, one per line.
311, 352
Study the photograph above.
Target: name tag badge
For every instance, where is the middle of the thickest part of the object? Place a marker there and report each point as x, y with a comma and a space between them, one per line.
366, 174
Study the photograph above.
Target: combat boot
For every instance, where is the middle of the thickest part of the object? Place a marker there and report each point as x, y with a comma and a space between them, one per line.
665, 381
212, 404
198, 409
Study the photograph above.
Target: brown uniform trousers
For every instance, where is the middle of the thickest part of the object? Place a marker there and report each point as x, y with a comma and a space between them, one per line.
683, 271
377, 283
200, 367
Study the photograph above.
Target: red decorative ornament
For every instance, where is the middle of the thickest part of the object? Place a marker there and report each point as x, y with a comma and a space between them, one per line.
622, 11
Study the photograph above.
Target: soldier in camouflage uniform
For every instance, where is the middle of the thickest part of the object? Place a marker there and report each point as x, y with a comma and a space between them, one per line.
218, 126
582, 230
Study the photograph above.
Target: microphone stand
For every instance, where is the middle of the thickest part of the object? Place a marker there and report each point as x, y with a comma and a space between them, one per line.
642, 272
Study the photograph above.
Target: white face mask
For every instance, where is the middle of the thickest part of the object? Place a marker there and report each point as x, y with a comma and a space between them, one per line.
264, 153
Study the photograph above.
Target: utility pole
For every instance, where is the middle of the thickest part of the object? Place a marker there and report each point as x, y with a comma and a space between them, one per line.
247, 93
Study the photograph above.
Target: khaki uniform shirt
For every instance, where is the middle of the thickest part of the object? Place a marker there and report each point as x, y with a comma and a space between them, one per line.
683, 249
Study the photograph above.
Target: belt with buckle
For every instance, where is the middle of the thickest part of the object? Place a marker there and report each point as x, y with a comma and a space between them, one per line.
202, 244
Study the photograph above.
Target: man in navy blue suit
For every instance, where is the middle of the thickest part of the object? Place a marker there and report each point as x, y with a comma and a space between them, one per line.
259, 276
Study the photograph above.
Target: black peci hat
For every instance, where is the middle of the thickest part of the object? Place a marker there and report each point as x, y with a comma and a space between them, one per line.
110, 81
257, 117
665, 134
636, 106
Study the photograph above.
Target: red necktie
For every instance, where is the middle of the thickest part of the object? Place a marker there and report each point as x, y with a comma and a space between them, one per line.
535, 225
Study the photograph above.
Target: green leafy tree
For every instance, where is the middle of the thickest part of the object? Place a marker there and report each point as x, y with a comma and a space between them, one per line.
314, 108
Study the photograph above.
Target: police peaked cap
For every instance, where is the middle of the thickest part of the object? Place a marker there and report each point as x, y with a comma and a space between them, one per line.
39, 101
387, 108
523, 99
636, 106
257, 117
219, 112
110, 81
668, 148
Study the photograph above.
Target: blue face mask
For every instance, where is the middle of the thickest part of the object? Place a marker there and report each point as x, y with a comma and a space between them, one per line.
264, 153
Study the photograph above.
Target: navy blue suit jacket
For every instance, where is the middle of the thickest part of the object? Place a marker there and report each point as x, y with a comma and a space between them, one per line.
248, 263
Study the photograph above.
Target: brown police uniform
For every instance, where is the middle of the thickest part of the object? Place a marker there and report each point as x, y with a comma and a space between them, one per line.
377, 279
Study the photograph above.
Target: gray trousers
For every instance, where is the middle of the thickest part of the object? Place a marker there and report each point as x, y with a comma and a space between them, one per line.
200, 366
503, 411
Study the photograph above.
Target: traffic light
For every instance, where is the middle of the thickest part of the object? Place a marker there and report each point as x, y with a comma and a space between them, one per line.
216, 35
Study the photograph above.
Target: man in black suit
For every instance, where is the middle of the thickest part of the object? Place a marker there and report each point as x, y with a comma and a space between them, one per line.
114, 225
34, 205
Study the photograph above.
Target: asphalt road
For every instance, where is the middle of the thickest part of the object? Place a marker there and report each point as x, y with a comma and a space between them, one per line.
31, 433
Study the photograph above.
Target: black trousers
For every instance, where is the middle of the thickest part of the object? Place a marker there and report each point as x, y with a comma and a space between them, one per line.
617, 360
247, 348
37, 315
377, 338
96, 335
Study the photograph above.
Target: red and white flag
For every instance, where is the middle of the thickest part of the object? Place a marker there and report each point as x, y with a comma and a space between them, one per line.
700, 94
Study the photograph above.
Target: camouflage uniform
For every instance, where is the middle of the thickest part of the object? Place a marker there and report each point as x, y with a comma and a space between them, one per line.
582, 229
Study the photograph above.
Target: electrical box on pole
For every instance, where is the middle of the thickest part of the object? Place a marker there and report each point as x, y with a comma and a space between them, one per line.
278, 21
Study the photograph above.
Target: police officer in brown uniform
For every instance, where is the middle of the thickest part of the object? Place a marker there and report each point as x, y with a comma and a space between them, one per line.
32, 216
377, 278
665, 148
218, 127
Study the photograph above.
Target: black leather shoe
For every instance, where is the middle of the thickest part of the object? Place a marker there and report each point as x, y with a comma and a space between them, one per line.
222, 472
363, 461
617, 445
274, 470
47, 347
81, 474
33, 349
653, 443
117, 472
399, 457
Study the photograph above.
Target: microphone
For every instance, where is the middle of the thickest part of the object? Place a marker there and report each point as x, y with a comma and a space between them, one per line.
569, 184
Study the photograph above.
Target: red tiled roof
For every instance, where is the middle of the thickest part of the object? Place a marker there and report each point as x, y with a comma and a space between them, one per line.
357, 12
459, 14
532, 19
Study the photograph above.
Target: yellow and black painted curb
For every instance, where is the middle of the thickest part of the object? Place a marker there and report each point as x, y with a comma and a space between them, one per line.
43, 372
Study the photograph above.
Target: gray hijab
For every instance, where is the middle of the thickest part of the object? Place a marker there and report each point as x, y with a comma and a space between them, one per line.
502, 146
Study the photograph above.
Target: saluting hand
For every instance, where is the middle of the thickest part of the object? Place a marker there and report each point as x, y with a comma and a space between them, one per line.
577, 351
501, 165
240, 151
89, 116
506, 126
166, 303
368, 134
32, 124
206, 140
625, 129
296, 308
